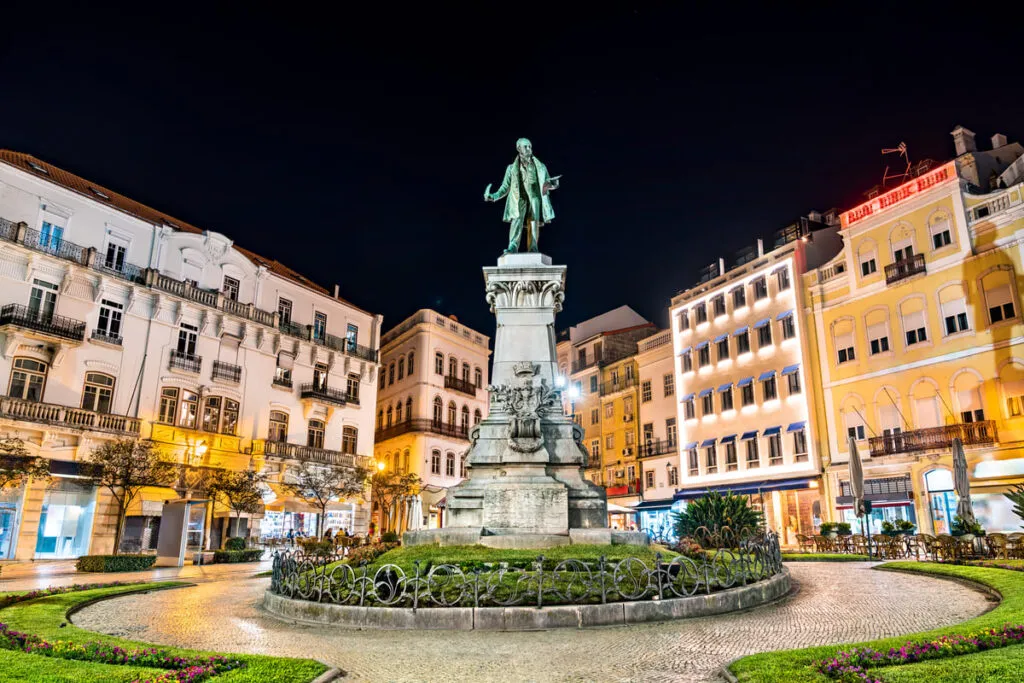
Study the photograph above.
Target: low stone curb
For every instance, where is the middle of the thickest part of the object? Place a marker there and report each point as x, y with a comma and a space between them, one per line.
332, 674
528, 618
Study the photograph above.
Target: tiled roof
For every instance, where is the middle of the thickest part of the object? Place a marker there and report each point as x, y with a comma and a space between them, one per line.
98, 193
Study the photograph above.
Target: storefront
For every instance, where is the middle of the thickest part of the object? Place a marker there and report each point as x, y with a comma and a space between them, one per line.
65, 523
10, 516
656, 518
990, 481
891, 500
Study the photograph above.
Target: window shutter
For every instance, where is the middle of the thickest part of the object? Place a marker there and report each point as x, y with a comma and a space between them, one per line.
928, 413
913, 321
877, 331
997, 296
889, 417
969, 400
845, 340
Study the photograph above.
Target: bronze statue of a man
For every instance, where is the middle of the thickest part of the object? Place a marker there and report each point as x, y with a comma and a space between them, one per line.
527, 185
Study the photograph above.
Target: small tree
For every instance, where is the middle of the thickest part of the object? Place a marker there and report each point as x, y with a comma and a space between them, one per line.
386, 488
318, 485
125, 467
706, 517
17, 466
1016, 497
240, 491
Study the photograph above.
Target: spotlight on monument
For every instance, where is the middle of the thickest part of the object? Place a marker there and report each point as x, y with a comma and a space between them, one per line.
560, 381
574, 392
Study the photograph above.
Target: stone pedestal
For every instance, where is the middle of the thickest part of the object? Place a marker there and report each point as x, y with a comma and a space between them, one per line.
525, 466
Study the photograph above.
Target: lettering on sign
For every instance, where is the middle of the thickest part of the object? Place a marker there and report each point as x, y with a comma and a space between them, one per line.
901, 193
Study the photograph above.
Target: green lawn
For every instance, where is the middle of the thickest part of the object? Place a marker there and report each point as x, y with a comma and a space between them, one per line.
823, 557
796, 666
999, 564
44, 616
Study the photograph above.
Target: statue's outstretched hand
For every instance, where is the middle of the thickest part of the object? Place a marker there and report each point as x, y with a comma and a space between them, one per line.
487, 194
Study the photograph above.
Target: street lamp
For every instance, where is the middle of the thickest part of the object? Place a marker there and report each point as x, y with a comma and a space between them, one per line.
574, 393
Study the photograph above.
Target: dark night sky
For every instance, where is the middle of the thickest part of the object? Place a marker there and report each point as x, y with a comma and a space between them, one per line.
356, 148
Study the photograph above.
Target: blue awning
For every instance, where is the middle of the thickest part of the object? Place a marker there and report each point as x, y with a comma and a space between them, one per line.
784, 314
688, 397
796, 427
725, 387
729, 439
721, 338
652, 505
767, 374
705, 392
790, 369
762, 323
745, 381
692, 444
746, 488
702, 345
740, 331
749, 435
708, 442
772, 431
686, 350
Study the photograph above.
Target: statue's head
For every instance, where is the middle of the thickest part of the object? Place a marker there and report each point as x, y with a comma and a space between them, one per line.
525, 148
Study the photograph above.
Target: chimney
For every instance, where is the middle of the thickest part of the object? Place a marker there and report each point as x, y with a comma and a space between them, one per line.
721, 266
963, 140
335, 291
760, 248
998, 140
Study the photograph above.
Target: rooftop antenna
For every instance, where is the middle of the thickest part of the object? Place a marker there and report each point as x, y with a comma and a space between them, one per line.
902, 150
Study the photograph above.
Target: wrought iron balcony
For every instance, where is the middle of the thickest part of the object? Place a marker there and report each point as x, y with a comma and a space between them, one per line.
65, 416
894, 272
346, 346
106, 337
186, 362
294, 451
227, 372
55, 246
659, 447
619, 385
423, 425
934, 438
51, 325
282, 382
461, 385
324, 394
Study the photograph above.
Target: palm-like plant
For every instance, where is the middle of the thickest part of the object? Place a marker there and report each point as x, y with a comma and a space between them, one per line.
1016, 497
708, 517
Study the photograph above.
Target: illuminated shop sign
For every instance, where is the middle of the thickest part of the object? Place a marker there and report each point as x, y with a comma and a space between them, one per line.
900, 194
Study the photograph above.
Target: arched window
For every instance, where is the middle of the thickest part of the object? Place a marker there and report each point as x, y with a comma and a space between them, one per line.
901, 241
98, 392
842, 338
477, 416
401, 369
465, 373
953, 309
408, 408
465, 418
28, 377
967, 390
478, 378
451, 413
315, 434
412, 362
435, 462
391, 415
999, 299
867, 257
1011, 380
438, 411
380, 419
398, 412
449, 465
349, 440
462, 467
391, 374
927, 405
876, 322
914, 319
405, 461
395, 462
939, 227
278, 426
453, 366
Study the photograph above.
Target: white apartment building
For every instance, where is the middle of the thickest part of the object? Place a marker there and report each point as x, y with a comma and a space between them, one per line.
119, 320
744, 409
659, 435
432, 390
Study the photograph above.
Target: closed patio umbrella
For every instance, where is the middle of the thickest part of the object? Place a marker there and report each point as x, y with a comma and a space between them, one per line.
962, 484
416, 517
857, 486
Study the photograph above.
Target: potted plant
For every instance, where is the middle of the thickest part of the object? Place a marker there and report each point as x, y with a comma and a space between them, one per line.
888, 528
962, 528
905, 527
828, 529
843, 529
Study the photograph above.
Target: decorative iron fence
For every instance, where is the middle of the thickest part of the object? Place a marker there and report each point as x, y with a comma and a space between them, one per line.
319, 578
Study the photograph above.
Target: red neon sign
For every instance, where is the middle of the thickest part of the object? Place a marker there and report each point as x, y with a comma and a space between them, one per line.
901, 193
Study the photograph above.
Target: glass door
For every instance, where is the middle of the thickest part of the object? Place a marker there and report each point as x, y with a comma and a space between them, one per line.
8, 530
65, 524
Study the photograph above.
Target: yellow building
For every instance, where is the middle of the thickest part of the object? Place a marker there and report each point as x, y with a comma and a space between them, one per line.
619, 397
919, 339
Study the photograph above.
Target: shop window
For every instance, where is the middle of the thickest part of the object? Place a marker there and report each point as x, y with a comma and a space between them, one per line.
278, 430
315, 434
65, 521
28, 379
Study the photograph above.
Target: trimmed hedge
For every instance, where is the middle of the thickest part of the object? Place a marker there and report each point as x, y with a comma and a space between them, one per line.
234, 544
114, 563
251, 555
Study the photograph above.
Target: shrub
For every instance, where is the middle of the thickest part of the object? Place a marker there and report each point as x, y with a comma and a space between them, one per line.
843, 529
688, 547
316, 547
905, 526
827, 528
228, 556
960, 527
389, 537
714, 513
888, 528
368, 553
114, 563
234, 544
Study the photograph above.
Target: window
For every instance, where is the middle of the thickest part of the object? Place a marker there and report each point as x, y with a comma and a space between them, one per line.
760, 289
593, 384
319, 326
211, 414
609, 410
684, 320
452, 410
788, 327
747, 393
718, 303
401, 368
595, 415
465, 418
114, 259
438, 411
320, 372
649, 480
739, 298
168, 405
453, 366
28, 377
701, 311
230, 288
856, 431
743, 342
800, 445
645, 391
726, 398
581, 358
670, 384
940, 232
352, 338
648, 431
380, 419
707, 404
50, 236
391, 374
868, 266
689, 410
913, 325
187, 335
230, 420
462, 466
753, 456
731, 464
1000, 303
42, 300
315, 434
703, 355
465, 373
383, 379
711, 459
595, 448
435, 462
352, 388
764, 335
629, 372
284, 311
412, 362
692, 461
723, 349
630, 438
954, 315
478, 377
477, 416
609, 442
843, 335
408, 408
878, 338
109, 322
782, 278
768, 389
278, 426
438, 363
673, 476
687, 361
349, 440
98, 392
670, 430
775, 449
188, 409
793, 380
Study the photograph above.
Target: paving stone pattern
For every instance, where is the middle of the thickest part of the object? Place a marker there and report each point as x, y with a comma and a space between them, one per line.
836, 603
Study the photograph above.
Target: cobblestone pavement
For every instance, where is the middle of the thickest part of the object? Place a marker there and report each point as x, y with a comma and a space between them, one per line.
23, 576
836, 603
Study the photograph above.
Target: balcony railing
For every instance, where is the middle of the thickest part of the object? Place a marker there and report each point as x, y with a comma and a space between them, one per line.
422, 425
282, 382
317, 392
77, 418
52, 325
619, 385
294, 451
659, 447
227, 372
106, 337
934, 438
55, 246
186, 362
894, 272
458, 384
578, 365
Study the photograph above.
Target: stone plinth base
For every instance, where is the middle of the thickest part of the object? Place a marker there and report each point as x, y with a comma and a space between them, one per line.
478, 536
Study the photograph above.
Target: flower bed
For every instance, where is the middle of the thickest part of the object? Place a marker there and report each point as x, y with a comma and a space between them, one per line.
15, 598
850, 666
